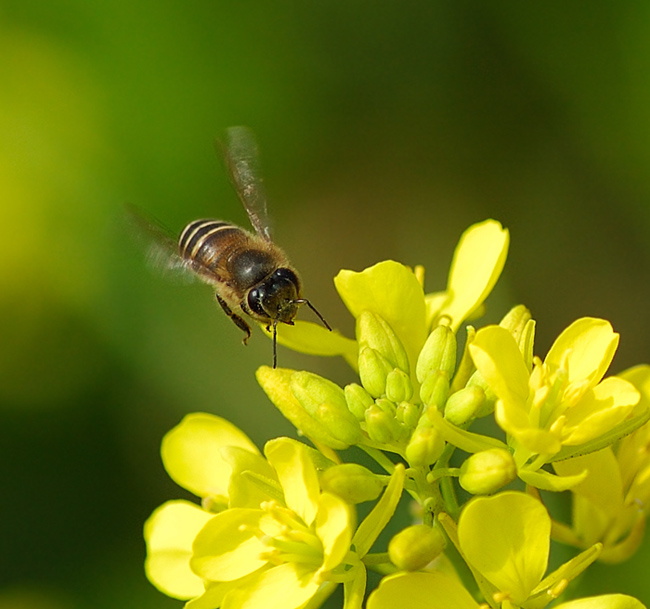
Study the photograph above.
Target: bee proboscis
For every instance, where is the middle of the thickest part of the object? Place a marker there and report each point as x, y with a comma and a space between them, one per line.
251, 275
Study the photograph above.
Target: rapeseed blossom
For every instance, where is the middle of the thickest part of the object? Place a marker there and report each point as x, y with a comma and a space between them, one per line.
279, 529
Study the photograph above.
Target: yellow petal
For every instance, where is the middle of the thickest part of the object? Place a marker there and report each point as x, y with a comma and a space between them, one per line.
511, 552
498, 359
477, 264
191, 453
601, 409
286, 586
606, 601
334, 522
169, 533
603, 485
392, 291
297, 476
435, 590
588, 345
227, 547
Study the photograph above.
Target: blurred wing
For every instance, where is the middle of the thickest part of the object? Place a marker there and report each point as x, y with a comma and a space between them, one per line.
161, 247
241, 157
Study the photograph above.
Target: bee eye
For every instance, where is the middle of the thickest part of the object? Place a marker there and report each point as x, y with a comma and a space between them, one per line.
286, 276
255, 298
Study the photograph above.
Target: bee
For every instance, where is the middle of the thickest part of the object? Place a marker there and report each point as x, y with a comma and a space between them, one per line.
251, 276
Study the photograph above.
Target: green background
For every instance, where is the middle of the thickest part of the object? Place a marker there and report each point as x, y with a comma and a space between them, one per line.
386, 129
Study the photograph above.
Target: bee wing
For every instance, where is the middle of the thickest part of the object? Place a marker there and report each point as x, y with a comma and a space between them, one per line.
161, 247
241, 157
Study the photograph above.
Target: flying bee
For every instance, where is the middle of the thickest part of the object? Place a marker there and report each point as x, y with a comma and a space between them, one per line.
251, 275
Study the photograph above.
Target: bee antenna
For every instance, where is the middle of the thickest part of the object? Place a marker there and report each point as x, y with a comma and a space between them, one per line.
313, 308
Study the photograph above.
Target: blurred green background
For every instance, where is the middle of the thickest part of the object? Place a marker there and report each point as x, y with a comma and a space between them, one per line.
385, 128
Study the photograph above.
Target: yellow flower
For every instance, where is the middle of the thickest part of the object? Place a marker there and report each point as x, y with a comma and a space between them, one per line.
612, 503
564, 400
280, 553
200, 454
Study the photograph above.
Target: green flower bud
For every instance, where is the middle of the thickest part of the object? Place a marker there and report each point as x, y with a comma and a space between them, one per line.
358, 400
414, 547
325, 401
518, 321
276, 382
398, 386
435, 389
487, 471
351, 482
374, 332
373, 370
463, 405
382, 427
408, 413
489, 397
438, 353
515, 320
425, 446
387, 406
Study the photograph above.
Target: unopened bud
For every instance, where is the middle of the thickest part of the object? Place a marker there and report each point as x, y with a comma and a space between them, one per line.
352, 482
374, 332
463, 405
425, 446
381, 426
398, 386
276, 382
373, 370
325, 401
408, 413
438, 353
358, 400
414, 547
489, 397
435, 390
518, 321
487, 471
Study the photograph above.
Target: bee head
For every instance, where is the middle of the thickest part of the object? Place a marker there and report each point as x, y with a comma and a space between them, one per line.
277, 297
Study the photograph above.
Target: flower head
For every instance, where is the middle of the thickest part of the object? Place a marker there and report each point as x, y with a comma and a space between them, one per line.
563, 400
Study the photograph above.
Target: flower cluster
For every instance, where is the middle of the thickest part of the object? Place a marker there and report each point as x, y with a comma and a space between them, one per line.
280, 529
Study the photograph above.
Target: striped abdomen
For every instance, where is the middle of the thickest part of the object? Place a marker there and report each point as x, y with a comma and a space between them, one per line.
225, 253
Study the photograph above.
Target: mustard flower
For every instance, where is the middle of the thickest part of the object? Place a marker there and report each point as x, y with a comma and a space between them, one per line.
280, 553
611, 505
200, 454
563, 401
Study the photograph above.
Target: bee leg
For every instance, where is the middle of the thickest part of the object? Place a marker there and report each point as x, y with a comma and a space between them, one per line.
238, 321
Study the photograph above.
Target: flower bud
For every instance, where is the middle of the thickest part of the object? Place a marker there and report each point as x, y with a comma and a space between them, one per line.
398, 386
358, 400
408, 413
373, 370
381, 425
463, 405
487, 471
276, 382
489, 397
374, 332
518, 321
425, 446
325, 401
351, 482
414, 547
438, 353
435, 389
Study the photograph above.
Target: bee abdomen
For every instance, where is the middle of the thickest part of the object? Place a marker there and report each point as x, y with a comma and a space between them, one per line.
202, 240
